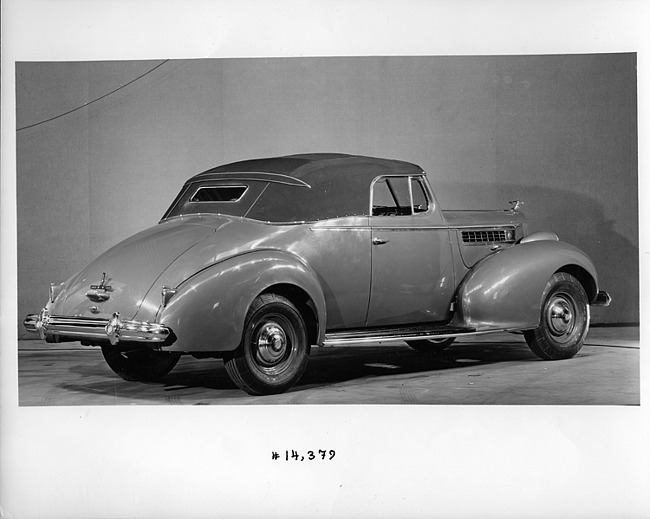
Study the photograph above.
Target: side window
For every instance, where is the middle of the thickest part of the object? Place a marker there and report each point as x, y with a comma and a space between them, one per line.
398, 196
420, 202
382, 200
390, 197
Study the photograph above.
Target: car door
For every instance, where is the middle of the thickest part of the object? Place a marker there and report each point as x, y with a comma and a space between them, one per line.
412, 278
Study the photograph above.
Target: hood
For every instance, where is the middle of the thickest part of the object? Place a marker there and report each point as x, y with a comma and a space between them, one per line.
118, 280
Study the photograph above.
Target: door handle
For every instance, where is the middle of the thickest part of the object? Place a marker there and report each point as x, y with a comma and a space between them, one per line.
379, 241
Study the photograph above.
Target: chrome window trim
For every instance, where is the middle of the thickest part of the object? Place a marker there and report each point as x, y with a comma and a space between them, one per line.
410, 177
427, 194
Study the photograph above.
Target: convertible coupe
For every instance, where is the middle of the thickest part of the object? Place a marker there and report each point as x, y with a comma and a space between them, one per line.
256, 261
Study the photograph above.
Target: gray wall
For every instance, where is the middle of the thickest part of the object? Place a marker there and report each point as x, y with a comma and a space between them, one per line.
558, 132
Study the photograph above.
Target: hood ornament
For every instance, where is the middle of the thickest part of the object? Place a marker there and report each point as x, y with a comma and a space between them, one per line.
99, 293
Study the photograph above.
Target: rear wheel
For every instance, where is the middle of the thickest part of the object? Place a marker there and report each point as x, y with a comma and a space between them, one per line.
274, 350
564, 320
431, 345
140, 364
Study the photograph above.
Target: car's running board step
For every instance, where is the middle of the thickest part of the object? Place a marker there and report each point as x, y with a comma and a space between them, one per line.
412, 333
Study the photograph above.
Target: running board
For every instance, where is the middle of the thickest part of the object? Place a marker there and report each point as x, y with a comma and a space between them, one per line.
413, 333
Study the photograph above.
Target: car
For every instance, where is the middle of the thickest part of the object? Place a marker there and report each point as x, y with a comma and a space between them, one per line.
257, 261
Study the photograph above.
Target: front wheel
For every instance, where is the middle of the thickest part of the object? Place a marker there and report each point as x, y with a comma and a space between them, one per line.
140, 364
274, 350
564, 320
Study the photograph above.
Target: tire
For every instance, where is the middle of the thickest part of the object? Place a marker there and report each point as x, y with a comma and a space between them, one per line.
141, 364
431, 346
564, 320
274, 350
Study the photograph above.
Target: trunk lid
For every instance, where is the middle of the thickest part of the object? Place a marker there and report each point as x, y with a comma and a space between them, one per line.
118, 280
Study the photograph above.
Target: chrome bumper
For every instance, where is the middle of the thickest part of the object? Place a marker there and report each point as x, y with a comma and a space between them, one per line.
602, 299
113, 329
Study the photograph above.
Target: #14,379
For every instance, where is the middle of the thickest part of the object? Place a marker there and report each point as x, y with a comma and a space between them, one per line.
309, 456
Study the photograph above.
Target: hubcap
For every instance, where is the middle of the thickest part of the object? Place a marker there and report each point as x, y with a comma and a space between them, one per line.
560, 316
272, 343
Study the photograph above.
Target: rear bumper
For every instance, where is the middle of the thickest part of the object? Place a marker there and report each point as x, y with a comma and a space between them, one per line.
87, 328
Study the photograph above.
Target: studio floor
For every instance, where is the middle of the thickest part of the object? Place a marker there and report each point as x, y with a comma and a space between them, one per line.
491, 369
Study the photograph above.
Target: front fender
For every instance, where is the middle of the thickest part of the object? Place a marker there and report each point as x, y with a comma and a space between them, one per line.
209, 309
504, 291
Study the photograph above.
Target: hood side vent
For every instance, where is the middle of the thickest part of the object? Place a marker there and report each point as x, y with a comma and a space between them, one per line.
481, 236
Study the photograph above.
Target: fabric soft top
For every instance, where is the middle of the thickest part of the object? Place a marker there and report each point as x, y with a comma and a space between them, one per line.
306, 187
301, 166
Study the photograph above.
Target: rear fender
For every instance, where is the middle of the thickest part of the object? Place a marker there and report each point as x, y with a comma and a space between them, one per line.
504, 291
209, 309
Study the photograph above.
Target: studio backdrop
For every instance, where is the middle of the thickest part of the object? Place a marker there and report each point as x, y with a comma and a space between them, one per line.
103, 147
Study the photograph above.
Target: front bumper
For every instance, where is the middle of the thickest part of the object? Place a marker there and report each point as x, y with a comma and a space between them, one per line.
86, 328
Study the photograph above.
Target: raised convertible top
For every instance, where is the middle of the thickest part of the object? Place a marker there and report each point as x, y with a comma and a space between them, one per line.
295, 188
305, 166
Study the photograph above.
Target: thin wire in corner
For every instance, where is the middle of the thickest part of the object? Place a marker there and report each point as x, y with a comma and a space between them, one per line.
94, 100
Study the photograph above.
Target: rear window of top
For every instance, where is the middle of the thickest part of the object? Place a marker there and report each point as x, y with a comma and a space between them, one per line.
218, 194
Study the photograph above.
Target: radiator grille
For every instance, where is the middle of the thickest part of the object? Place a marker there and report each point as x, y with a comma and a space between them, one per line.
487, 236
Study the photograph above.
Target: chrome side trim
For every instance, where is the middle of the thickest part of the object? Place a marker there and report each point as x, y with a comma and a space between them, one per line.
402, 229
418, 228
114, 329
485, 226
341, 228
